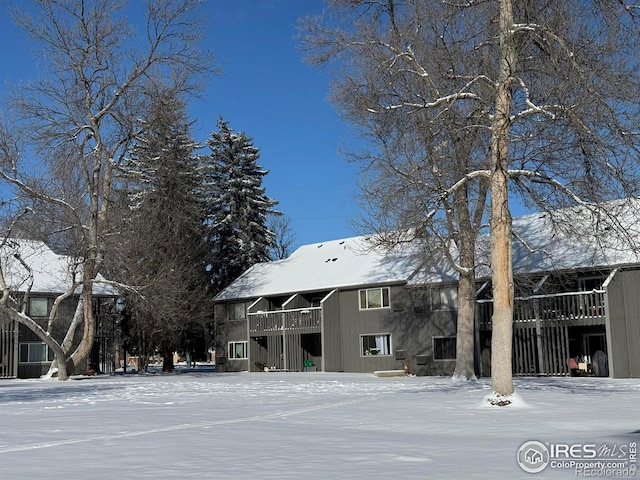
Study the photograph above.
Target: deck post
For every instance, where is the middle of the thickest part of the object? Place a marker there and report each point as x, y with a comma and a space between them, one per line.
285, 365
541, 364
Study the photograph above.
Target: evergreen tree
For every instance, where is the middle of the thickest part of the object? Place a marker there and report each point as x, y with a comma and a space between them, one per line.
237, 206
166, 248
77, 120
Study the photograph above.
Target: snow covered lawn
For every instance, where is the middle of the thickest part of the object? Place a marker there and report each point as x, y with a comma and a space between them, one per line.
299, 426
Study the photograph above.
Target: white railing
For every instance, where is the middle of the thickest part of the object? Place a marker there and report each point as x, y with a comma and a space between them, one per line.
556, 306
296, 319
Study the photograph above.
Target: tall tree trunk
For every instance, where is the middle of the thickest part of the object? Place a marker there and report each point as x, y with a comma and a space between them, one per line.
88, 335
67, 343
167, 361
460, 221
501, 265
465, 336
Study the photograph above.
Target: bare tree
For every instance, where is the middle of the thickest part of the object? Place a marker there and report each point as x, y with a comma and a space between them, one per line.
547, 91
284, 238
415, 177
80, 117
400, 192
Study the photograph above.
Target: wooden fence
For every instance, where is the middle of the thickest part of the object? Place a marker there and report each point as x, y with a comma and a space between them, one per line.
8, 349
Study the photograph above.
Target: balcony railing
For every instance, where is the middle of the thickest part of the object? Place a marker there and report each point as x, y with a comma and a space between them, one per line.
541, 328
578, 308
299, 320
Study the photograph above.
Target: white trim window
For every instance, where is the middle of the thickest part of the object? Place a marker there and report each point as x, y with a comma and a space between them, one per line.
38, 306
375, 344
238, 351
238, 311
373, 298
35, 352
444, 298
444, 348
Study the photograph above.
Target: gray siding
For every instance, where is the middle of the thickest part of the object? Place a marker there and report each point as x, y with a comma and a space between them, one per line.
331, 333
411, 326
420, 326
234, 331
408, 320
623, 325
439, 323
228, 330
296, 301
356, 322
260, 304
33, 370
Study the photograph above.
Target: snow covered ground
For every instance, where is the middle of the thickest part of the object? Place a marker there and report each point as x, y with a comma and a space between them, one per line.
305, 426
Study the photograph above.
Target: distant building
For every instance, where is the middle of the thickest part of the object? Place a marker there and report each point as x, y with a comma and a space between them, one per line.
344, 306
22, 353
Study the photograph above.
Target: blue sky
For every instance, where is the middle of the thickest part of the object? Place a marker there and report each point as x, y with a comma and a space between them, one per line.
268, 92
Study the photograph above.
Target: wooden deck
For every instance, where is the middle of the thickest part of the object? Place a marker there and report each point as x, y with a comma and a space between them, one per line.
286, 340
542, 326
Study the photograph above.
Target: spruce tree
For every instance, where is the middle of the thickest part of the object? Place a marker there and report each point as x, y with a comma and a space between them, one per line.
166, 248
237, 206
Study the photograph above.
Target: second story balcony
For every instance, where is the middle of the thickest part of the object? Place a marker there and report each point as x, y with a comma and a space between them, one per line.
298, 320
572, 309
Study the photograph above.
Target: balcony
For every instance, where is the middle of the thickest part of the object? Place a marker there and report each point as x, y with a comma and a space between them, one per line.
298, 320
571, 309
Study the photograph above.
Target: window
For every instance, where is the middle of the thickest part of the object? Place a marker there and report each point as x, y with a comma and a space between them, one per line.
374, 298
378, 344
444, 348
444, 298
238, 350
238, 311
587, 284
38, 307
35, 353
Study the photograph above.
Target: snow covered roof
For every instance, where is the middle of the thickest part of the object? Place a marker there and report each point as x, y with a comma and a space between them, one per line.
582, 240
51, 272
346, 263
590, 242
570, 239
